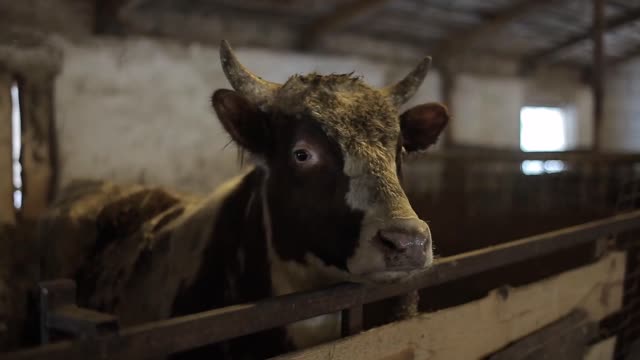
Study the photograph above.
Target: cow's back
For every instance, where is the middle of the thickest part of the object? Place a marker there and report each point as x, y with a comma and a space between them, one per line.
129, 247
86, 215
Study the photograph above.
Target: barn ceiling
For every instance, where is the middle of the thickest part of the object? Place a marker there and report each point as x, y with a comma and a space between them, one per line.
534, 31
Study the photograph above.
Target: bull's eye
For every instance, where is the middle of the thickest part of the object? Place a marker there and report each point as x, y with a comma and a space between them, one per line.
304, 154
301, 155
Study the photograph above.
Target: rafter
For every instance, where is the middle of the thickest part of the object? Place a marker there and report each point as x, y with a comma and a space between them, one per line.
106, 15
342, 15
611, 24
626, 57
461, 40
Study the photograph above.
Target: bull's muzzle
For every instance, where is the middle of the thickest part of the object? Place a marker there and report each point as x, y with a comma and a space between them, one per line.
406, 245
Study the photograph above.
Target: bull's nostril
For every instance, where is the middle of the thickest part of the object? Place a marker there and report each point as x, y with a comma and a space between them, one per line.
395, 242
404, 244
390, 245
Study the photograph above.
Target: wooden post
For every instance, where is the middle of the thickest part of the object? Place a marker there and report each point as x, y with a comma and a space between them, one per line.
598, 70
351, 321
7, 211
38, 155
447, 83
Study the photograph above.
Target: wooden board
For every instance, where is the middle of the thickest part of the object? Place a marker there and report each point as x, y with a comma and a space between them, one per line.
603, 350
7, 212
566, 338
479, 328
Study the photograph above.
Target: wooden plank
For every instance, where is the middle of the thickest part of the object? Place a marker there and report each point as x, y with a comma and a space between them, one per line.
406, 354
7, 212
598, 70
566, 338
461, 40
484, 154
339, 17
625, 58
38, 150
48, 16
479, 328
603, 350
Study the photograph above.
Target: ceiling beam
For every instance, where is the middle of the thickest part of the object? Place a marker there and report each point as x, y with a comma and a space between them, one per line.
628, 17
612, 63
340, 16
107, 16
460, 41
625, 58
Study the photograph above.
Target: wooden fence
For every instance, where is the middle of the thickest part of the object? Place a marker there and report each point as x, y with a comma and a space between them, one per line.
182, 333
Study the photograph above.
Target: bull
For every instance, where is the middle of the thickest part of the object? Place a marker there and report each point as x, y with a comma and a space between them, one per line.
322, 204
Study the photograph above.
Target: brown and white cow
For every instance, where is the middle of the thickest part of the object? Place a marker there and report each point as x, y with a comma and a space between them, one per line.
323, 205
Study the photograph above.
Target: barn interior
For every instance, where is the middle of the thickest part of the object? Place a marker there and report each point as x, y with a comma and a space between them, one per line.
544, 131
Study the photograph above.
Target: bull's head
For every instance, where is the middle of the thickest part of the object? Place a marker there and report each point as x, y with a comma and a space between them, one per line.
331, 147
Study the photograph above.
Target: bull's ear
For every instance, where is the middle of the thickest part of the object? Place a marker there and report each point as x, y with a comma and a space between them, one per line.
246, 124
421, 125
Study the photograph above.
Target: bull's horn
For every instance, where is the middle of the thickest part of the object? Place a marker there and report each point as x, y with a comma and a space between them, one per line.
258, 91
403, 90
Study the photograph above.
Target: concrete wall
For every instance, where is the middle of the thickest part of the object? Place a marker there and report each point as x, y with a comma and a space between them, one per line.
621, 124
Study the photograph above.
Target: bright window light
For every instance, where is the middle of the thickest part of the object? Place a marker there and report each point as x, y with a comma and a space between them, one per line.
16, 141
539, 167
542, 129
533, 167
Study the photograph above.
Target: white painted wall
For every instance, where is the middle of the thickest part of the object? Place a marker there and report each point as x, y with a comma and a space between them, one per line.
621, 123
487, 111
487, 108
138, 110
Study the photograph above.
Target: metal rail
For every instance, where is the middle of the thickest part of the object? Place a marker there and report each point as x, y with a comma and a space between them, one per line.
182, 333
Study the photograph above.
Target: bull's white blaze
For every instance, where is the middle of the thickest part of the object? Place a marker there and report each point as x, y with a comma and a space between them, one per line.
368, 258
288, 277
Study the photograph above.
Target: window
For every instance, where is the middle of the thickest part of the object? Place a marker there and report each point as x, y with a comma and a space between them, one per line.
539, 167
16, 145
542, 129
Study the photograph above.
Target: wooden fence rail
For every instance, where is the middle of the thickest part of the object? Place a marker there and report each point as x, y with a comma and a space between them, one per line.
182, 333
